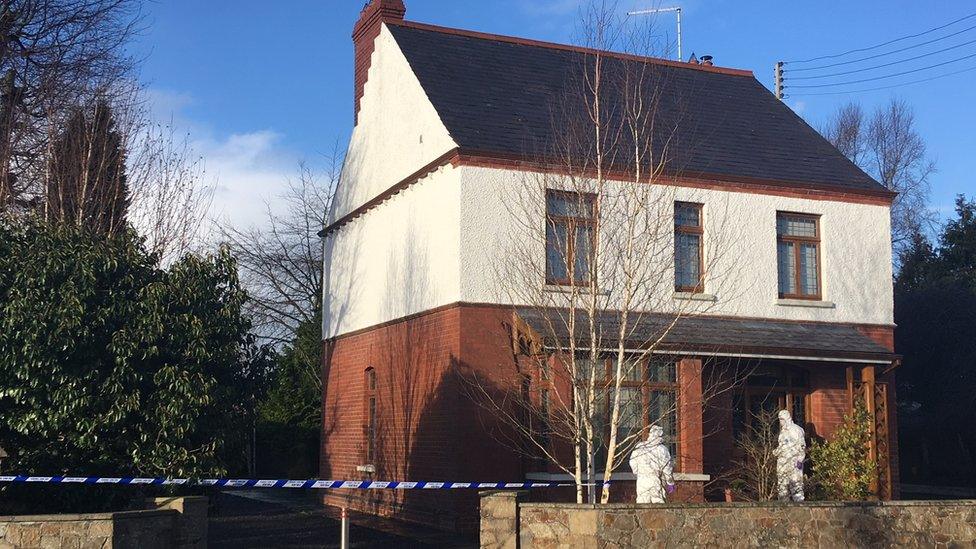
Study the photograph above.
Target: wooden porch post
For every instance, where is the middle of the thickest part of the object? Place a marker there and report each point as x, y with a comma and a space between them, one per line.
868, 383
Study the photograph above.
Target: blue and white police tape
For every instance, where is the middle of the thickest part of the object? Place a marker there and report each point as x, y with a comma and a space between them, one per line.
279, 483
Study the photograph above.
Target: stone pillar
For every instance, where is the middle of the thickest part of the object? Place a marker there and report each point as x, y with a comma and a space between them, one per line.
690, 433
499, 519
191, 523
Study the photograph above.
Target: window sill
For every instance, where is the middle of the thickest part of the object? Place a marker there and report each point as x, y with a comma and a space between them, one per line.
695, 296
619, 476
810, 303
366, 469
559, 289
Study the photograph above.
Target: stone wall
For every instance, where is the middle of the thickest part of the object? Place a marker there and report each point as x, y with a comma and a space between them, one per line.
886, 524
168, 523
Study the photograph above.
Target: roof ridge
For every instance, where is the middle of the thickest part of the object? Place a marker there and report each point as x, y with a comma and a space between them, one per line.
568, 47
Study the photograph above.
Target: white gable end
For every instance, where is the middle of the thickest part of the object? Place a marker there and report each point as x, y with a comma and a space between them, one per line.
399, 131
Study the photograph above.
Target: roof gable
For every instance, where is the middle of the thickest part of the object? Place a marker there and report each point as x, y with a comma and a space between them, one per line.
496, 96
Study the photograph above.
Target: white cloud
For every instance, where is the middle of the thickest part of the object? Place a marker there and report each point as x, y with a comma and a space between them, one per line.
247, 171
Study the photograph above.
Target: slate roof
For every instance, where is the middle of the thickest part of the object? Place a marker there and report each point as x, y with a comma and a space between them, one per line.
717, 334
498, 95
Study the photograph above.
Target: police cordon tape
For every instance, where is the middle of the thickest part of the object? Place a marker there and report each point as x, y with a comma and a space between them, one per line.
279, 483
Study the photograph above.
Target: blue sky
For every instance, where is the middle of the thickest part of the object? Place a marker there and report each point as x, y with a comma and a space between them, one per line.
261, 86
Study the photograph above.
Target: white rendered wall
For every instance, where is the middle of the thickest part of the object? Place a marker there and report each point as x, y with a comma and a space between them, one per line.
395, 260
398, 133
855, 251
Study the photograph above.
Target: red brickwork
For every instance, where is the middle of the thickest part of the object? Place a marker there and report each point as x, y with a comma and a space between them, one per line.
427, 426
689, 415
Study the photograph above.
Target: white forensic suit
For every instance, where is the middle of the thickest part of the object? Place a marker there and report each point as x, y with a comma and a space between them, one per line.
651, 462
790, 452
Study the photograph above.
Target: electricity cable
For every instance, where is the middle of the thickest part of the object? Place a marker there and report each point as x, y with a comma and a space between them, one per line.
869, 48
892, 52
919, 81
854, 71
970, 56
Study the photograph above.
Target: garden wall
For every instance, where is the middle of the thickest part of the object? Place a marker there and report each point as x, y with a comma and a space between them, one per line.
507, 522
167, 523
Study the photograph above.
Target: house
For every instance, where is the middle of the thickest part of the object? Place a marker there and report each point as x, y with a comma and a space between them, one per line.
448, 122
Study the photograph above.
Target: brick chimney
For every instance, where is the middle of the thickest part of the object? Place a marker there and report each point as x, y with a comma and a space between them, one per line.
364, 35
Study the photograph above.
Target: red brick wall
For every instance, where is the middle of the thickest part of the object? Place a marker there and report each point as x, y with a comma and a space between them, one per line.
828, 400
429, 428
416, 415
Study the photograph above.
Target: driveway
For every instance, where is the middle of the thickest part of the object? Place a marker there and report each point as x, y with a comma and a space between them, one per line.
285, 518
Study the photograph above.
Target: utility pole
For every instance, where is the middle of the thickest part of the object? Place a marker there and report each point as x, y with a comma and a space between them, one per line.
778, 80
676, 10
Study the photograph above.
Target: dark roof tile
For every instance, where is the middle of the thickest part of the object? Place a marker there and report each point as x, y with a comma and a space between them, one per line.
496, 95
731, 335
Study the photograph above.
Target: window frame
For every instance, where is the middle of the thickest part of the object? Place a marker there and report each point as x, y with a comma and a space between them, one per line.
646, 388
798, 242
369, 414
571, 223
688, 229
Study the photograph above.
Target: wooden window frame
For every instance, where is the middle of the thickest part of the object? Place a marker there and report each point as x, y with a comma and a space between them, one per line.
798, 242
369, 419
688, 229
646, 387
571, 223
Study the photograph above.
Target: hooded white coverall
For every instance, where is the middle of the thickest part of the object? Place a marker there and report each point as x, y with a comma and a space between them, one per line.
651, 462
790, 453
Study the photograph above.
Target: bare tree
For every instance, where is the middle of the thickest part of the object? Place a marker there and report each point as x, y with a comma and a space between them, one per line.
887, 146
753, 473
169, 198
54, 56
281, 261
592, 262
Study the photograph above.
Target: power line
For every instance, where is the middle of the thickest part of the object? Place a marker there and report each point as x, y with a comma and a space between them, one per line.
869, 48
884, 65
868, 58
970, 56
919, 81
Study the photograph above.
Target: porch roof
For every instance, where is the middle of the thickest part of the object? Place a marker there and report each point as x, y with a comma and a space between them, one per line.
712, 335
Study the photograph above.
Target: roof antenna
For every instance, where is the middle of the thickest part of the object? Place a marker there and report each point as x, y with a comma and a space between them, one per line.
675, 9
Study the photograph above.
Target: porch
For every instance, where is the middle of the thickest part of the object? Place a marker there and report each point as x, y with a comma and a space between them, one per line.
707, 379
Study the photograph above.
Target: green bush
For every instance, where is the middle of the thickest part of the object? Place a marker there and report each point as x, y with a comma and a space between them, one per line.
110, 365
841, 467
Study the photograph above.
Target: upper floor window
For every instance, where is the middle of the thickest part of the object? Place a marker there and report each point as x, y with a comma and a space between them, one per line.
798, 250
688, 259
570, 232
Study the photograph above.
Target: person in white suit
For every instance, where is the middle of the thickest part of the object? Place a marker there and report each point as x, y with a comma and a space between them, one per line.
651, 462
790, 453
